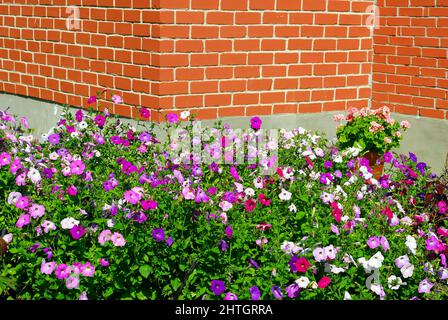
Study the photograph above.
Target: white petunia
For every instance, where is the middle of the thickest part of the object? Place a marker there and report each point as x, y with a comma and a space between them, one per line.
407, 270
347, 296
376, 261
249, 192
302, 282
69, 223
395, 282
34, 175
184, 114
285, 195
292, 208
83, 125
411, 244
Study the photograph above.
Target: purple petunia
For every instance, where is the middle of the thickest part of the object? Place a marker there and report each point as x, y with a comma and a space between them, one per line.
218, 287
255, 293
229, 232
54, 138
277, 292
158, 234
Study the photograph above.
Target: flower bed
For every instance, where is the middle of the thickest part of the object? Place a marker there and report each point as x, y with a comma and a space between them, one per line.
101, 210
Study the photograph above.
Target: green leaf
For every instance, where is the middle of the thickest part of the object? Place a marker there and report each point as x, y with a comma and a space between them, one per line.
145, 270
175, 283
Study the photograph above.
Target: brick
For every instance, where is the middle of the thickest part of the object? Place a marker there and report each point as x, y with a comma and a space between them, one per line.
274, 71
205, 4
247, 72
272, 97
233, 58
231, 112
288, 5
246, 45
221, 99
282, 84
259, 84
301, 18
219, 72
183, 17
275, 18
260, 31
220, 17
204, 32
246, 98
262, 4
234, 5
325, 69
232, 85
314, 5
260, 58
190, 73
169, 88
189, 46
310, 107
189, 101
432, 113
204, 87
233, 31
170, 4
300, 70
248, 18
307, 83
206, 59
259, 110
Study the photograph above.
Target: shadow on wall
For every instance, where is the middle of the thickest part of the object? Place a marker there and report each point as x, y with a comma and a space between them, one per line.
427, 138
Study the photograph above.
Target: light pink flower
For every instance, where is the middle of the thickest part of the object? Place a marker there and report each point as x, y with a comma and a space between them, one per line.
118, 239
104, 236
47, 267
87, 269
72, 282
319, 254
36, 210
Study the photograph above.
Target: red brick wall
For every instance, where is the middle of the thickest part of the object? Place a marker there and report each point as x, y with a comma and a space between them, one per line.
214, 57
410, 71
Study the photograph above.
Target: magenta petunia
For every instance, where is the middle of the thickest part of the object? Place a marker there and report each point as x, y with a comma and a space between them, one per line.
100, 120
145, 113
92, 99
77, 167
22, 203
72, 190
77, 232
255, 123
172, 117
5, 159
324, 282
23, 220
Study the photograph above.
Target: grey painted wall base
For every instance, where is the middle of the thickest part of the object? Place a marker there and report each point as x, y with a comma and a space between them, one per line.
427, 138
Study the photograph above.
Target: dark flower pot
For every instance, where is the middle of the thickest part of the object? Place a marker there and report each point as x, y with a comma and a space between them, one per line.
376, 163
3, 246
